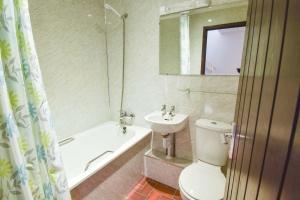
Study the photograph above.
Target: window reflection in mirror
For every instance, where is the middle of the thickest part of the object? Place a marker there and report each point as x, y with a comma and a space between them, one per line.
223, 49
182, 34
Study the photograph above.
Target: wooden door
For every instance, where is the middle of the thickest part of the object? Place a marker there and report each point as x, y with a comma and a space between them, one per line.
266, 144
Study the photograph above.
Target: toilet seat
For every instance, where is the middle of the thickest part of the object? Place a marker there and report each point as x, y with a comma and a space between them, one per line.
202, 181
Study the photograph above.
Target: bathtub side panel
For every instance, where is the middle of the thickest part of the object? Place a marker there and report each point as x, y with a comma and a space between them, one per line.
118, 178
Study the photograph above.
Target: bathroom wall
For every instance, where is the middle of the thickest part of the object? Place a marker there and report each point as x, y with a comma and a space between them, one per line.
69, 37
146, 90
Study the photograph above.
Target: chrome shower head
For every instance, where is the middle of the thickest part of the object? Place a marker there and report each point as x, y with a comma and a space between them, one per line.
109, 7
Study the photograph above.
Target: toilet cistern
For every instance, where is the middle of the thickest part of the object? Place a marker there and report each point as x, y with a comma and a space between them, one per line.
204, 180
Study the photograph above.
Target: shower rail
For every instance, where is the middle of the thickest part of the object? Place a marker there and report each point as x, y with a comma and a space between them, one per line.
65, 141
189, 91
96, 158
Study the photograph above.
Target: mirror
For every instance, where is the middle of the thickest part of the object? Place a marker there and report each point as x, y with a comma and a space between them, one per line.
203, 41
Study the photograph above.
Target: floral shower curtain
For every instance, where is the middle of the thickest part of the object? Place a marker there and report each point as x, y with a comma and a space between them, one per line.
30, 164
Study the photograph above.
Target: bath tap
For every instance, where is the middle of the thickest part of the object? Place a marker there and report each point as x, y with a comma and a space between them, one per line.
122, 120
163, 109
126, 118
122, 124
122, 114
124, 129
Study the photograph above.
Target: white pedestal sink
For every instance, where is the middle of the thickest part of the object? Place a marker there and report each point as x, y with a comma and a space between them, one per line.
167, 126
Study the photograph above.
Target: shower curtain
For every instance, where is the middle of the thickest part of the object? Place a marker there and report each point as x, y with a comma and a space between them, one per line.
30, 163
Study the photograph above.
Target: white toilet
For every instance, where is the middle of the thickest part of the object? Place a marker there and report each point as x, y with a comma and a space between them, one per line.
203, 180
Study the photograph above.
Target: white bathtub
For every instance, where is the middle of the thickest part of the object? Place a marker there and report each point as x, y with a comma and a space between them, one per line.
103, 143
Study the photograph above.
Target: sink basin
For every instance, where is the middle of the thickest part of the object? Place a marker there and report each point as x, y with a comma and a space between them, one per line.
165, 126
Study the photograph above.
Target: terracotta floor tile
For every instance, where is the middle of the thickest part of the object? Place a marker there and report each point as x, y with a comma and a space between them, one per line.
154, 195
177, 195
166, 190
142, 182
136, 196
154, 182
165, 198
147, 189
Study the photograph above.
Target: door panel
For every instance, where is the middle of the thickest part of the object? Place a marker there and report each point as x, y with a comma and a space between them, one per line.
291, 182
267, 104
267, 99
265, 14
244, 72
285, 109
247, 98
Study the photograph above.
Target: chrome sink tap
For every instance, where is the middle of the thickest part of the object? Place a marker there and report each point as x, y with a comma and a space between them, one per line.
172, 111
163, 109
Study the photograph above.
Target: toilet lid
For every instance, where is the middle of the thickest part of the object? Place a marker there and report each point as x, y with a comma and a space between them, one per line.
214, 125
203, 181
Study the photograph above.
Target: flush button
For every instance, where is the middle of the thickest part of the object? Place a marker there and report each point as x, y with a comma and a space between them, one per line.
213, 123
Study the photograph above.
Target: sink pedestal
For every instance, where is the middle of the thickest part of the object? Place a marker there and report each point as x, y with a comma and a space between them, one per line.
167, 127
169, 145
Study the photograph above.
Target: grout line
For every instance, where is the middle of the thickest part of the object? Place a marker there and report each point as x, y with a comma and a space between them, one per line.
141, 193
147, 197
174, 193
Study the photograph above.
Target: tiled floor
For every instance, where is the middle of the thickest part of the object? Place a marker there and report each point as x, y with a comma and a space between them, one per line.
148, 189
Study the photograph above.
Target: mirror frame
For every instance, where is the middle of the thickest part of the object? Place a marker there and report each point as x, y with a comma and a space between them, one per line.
204, 41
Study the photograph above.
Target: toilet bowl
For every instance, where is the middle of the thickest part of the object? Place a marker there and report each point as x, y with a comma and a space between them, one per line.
204, 180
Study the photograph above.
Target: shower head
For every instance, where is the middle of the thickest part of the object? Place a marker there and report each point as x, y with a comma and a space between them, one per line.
109, 7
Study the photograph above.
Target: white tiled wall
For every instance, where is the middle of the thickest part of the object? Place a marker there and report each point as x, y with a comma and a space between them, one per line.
71, 47
162, 172
70, 40
146, 90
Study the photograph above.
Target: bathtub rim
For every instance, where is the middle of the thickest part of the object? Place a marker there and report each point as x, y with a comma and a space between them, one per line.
140, 134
